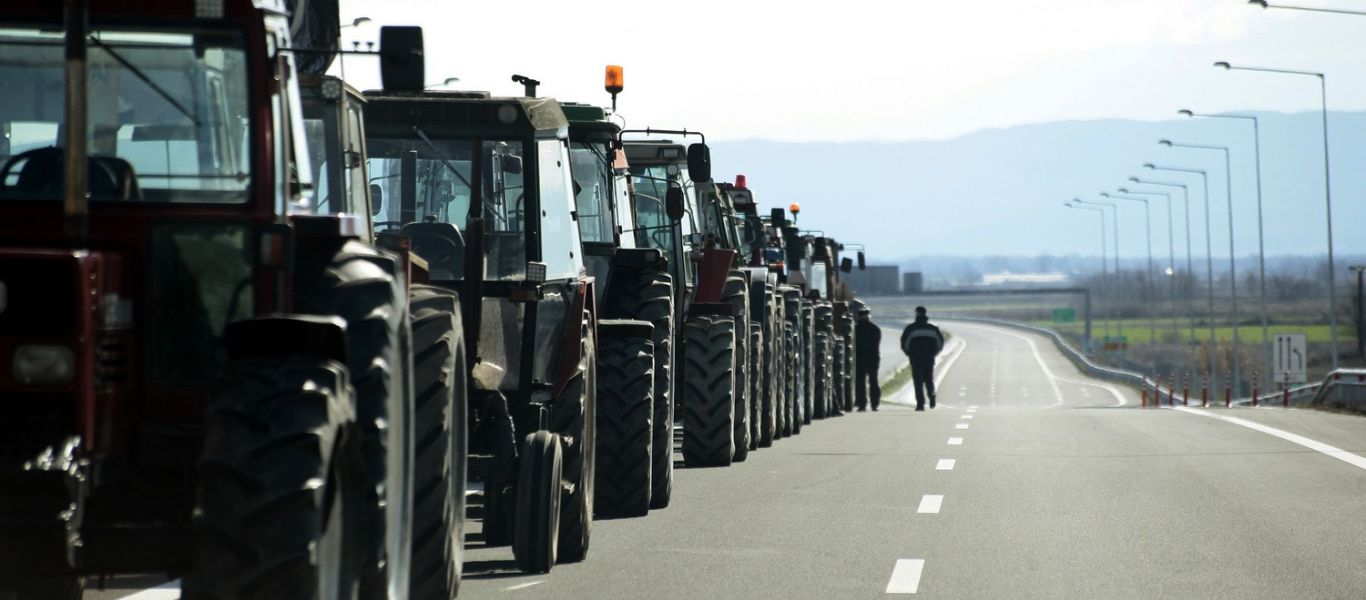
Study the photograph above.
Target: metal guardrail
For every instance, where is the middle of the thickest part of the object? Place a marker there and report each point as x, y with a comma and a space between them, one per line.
1327, 393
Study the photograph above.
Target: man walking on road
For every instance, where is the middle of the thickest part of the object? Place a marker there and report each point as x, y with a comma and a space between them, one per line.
868, 337
922, 342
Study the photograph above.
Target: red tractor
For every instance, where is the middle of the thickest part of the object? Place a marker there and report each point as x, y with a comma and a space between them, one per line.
211, 359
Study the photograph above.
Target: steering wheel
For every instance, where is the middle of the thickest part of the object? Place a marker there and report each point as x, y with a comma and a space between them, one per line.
49, 175
437, 250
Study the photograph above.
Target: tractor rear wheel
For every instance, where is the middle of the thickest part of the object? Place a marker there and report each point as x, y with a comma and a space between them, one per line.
709, 391
574, 418
768, 413
756, 383
625, 423
820, 362
441, 450
736, 295
360, 285
648, 295
537, 519
280, 496
837, 376
792, 354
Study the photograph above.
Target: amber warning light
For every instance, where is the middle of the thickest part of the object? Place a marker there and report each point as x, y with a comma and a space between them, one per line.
615, 82
794, 208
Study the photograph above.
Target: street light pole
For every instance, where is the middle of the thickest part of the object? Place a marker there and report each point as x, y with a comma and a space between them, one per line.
1337, 11
1232, 257
1148, 225
1327, 185
1119, 321
1267, 374
1209, 259
1104, 275
1171, 254
1190, 265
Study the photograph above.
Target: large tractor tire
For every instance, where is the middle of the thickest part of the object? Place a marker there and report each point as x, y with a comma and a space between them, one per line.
649, 296
837, 376
535, 537
807, 364
821, 375
40, 532
442, 449
281, 488
756, 383
574, 418
361, 285
736, 294
768, 409
625, 422
781, 369
709, 391
792, 355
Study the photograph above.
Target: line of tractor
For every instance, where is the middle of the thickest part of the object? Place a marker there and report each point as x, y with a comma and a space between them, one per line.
270, 334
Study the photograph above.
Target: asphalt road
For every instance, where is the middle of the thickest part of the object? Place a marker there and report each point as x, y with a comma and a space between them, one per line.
1029, 481
1060, 487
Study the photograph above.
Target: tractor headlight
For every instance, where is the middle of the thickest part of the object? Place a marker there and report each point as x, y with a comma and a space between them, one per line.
44, 364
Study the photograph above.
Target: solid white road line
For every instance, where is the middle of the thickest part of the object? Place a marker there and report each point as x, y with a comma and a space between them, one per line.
961, 426
955, 441
906, 576
945, 464
522, 586
1315, 445
166, 591
930, 504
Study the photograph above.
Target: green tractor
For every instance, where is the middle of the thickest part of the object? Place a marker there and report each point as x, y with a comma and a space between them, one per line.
480, 189
636, 300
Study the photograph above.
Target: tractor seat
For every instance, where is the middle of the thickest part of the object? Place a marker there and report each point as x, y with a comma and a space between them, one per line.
441, 245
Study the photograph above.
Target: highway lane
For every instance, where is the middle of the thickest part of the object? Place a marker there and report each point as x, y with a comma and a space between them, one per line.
1058, 486
1053, 491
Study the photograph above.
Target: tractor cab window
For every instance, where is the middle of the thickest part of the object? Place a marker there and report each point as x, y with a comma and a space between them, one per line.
654, 229
325, 127
167, 115
559, 236
626, 221
592, 172
817, 279
443, 176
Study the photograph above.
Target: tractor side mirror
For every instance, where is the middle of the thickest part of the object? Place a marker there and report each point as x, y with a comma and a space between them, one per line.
401, 61
510, 164
778, 216
862, 262
846, 264
376, 199
673, 203
699, 162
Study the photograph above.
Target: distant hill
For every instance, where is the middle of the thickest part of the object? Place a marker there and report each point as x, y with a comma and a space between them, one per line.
1000, 191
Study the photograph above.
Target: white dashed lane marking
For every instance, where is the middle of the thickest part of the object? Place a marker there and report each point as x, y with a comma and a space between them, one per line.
906, 576
945, 464
966, 417
961, 426
955, 441
930, 504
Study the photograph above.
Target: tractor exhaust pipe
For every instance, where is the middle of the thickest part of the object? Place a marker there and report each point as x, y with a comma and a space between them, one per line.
76, 204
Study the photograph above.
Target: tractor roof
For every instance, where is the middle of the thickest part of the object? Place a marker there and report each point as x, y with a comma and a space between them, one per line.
588, 123
655, 152
452, 114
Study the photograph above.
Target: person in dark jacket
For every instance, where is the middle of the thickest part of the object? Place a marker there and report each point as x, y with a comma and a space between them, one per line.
868, 336
922, 342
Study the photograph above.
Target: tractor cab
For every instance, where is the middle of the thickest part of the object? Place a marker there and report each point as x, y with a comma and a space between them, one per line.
481, 187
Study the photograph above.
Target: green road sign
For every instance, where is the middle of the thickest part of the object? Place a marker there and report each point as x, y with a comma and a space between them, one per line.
1064, 315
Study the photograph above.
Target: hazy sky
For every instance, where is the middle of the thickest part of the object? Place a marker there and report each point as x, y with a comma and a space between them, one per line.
885, 70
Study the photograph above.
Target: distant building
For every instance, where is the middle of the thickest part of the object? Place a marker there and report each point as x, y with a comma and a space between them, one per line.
912, 283
876, 280
1023, 279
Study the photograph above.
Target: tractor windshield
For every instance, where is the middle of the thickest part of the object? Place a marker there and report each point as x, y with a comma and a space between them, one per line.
593, 198
654, 227
444, 170
167, 114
